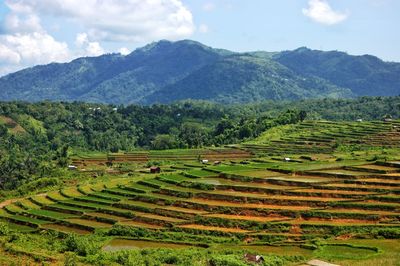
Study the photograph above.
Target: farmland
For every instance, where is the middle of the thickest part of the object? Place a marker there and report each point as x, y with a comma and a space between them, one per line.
337, 205
326, 136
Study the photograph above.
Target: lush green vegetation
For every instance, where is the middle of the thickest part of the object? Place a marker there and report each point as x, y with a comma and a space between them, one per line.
364, 75
51, 130
340, 184
166, 72
214, 219
36, 139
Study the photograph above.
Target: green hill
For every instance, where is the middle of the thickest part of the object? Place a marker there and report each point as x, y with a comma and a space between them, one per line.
364, 75
169, 71
314, 137
243, 78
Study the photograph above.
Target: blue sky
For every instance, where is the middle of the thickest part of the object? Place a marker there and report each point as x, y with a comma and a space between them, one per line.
43, 31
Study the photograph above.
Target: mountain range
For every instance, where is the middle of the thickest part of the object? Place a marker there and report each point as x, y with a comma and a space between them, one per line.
164, 72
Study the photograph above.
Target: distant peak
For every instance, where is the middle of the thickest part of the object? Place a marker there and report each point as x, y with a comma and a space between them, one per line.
302, 49
154, 45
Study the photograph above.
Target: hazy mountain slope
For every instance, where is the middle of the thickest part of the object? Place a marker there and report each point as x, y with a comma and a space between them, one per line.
110, 78
168, 71
246, 78
148, 69
364, 75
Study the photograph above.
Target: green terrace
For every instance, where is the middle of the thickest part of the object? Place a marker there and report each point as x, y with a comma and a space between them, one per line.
322, 136
227, 200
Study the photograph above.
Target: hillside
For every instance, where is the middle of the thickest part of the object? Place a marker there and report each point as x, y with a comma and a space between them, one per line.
314, 137
317, 206
244, 78
12, 126
165, 72
365, 75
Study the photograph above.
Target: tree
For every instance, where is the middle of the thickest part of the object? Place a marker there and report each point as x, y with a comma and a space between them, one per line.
164, 142
193, 134
3, 131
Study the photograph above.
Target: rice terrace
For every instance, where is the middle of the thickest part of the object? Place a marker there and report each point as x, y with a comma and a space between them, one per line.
199, 133
261, 197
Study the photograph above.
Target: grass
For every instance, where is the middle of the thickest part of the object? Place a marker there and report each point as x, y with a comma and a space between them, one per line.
89, 223
174, 177
200, 173
56, 196
68, 208
212, 228
24, 219
49, 214
20, 228
65, 229
71, 192
297, 207
390, 255
345, 251
41, 200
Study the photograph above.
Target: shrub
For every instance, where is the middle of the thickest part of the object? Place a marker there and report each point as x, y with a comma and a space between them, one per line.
4, 229
81, 245
227, 260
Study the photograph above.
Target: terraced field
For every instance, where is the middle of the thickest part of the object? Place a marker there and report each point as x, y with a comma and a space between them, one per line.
315, 137
215, 154
235, 200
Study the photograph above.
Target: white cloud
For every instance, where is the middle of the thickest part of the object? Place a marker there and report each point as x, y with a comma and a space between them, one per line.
24, 42
8, 56
35, 47
320, 11
130, 20
26, 49
86, 47
124, 51
203, 28
25, 23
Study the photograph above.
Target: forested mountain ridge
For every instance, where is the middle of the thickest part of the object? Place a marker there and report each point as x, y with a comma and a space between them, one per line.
365, 75
242, 78
165, 72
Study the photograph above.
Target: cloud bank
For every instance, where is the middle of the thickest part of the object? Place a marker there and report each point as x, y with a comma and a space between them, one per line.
25, 42
321, 12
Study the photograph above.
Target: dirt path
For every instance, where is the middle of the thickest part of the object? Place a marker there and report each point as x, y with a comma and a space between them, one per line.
8, 202
11, 201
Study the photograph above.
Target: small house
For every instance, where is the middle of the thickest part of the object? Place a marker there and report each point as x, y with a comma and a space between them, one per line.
204, 161
287, 159
155, 170
359, 120
217, 162
253, 258
72, 167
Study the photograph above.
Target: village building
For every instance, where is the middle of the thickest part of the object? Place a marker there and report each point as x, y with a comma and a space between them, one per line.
254, 258
72, 167
155, 170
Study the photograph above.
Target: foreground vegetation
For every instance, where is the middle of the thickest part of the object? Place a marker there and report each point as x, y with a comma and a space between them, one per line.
346, 211
302, 189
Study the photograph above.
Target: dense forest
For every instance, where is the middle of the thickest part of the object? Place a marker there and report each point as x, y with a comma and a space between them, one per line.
165, 72
36, 137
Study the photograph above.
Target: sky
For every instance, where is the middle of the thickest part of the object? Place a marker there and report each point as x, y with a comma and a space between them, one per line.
36, 32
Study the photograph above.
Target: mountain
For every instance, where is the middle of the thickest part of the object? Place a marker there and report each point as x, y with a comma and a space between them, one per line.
243, 78
111, 78
164, 72
365, 75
